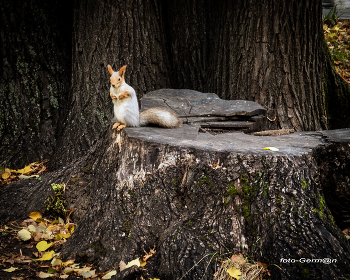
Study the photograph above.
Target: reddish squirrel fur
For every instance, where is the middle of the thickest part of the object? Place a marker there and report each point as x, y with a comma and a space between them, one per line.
126, 108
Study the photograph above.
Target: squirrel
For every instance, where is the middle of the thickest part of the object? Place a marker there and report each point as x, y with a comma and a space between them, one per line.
126, 108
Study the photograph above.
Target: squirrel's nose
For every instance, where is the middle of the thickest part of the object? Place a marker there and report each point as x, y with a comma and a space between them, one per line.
113, 86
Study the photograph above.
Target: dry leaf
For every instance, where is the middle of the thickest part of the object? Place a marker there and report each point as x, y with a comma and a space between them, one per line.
11, 269
44, 275
238, 258
133, 262
148, 255
56, 262
35, 215
24, 235
122, 266
109, 274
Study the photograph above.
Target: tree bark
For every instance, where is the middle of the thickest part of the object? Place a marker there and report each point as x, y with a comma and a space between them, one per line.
270, 52
198, 198
34, 78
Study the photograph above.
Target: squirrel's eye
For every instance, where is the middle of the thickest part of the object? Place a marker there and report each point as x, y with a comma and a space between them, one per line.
118, 79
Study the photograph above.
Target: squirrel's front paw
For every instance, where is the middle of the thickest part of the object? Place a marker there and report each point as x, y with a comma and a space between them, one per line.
125, 94
113, 96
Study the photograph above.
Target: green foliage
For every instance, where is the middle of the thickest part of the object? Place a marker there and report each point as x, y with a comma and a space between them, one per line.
304, 185
127, 227
232, 191
332, 17
56, 204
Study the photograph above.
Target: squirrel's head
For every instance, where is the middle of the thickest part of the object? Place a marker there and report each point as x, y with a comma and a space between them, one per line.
117, 78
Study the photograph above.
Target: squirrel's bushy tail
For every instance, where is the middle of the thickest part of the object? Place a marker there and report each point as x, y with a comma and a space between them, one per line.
161, 117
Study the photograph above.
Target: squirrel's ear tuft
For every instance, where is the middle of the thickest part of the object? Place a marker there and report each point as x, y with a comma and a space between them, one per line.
110, 70
122, 71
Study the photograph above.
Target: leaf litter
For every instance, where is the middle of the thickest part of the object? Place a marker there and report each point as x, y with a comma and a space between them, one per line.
337, 36
32, 170
45, 236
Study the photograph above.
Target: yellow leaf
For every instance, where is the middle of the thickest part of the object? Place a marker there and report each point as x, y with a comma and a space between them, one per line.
332, 35
23, 170
11, 269
154, 279
142, 264
325, 27
133, 262
67, 235
5, 175
47, 256
43, 245
24, 235
234, 272
109, 274
271, 149
35, 215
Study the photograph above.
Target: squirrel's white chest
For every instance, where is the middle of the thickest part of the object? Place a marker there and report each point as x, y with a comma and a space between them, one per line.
126, 110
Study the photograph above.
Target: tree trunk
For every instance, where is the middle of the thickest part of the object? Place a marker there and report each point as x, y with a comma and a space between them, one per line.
197, 202
34, 78
269, 51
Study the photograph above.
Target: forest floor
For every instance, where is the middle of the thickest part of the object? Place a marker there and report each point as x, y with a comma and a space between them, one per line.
337, 36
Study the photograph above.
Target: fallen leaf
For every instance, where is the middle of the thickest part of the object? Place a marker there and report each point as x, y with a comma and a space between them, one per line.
271, 149
264, 265
63, 276
56, 262
238, 258
109, 274
38, 236
68, 263
133, 262
43, 245
151, 252
35, 215
122, 266
47, 256
51, 270
23, 170
68, 270
44, 275
87, 274
32, 228
5, 175
234, 272
24, 235
11, 269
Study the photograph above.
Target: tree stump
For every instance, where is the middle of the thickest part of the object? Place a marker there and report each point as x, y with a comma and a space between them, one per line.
203, 192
